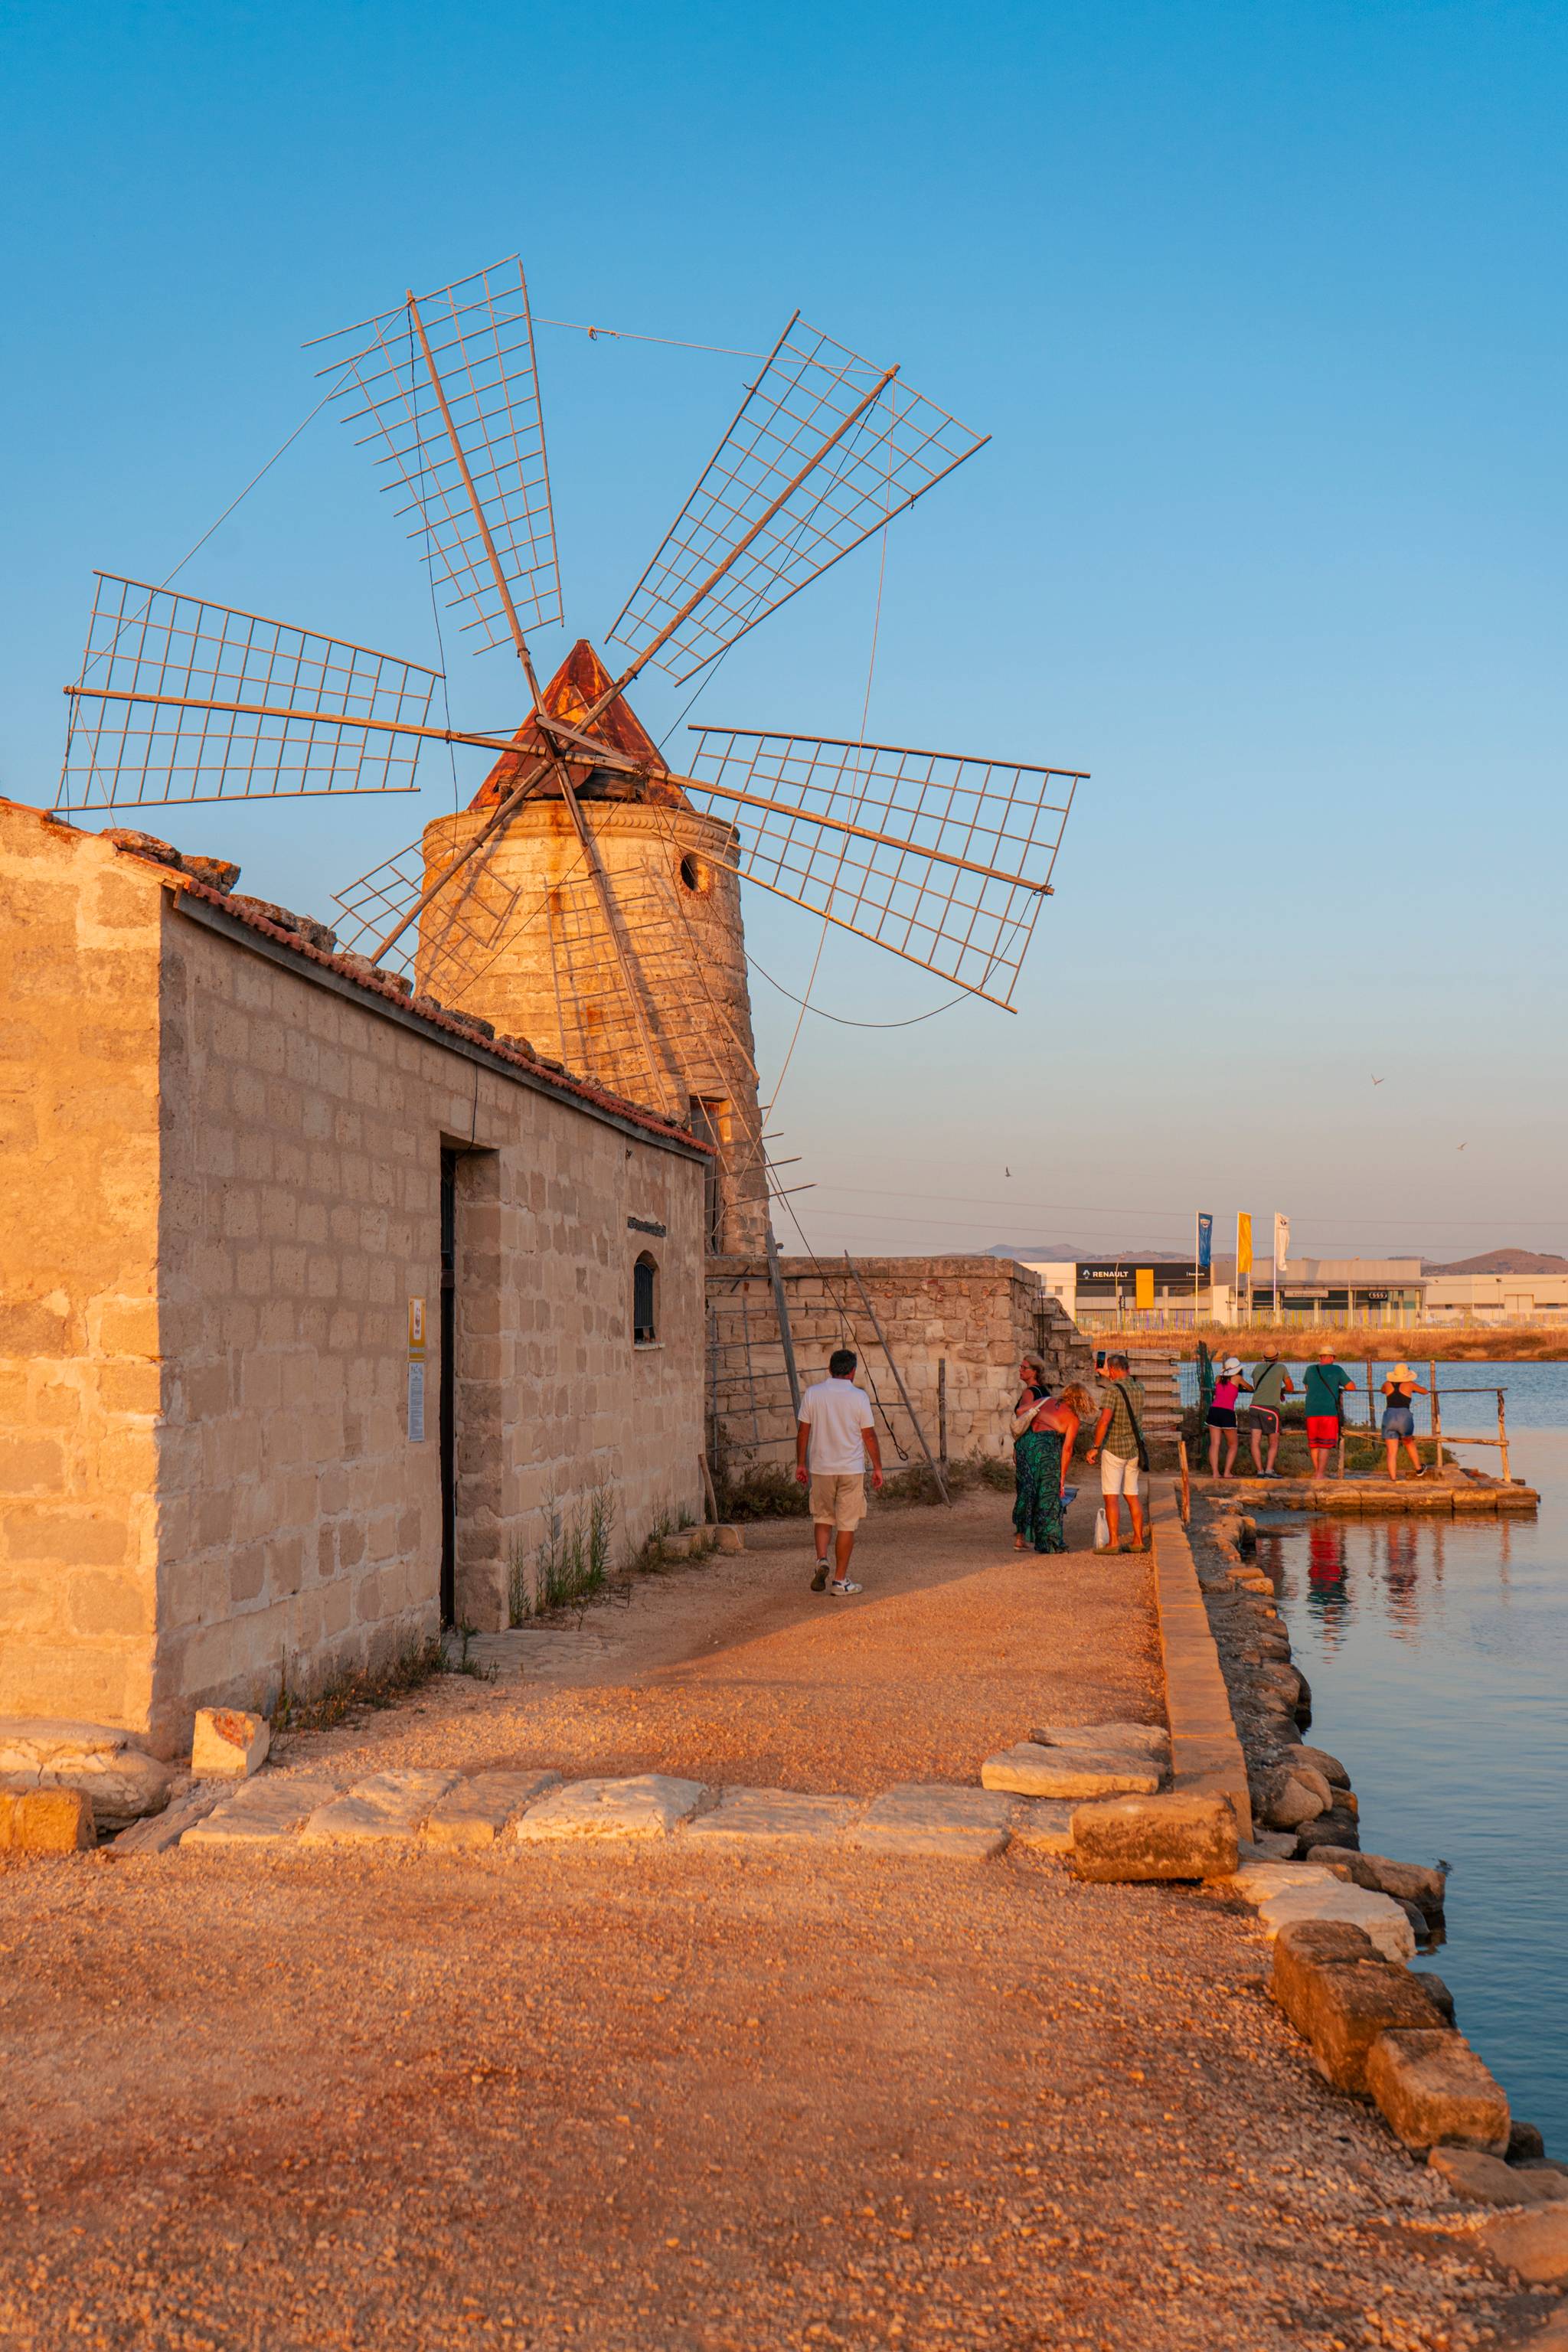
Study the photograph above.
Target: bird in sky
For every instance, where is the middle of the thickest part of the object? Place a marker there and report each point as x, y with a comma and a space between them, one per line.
1007, 1172
1462, 1147
1376, 1082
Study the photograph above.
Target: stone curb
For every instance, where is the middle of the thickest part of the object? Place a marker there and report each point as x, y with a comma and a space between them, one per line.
1206, 1757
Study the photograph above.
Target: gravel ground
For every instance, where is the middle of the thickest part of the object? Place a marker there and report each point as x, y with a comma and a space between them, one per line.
659, 2100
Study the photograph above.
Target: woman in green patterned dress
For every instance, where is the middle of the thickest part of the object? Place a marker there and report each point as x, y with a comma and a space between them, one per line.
1043, 1435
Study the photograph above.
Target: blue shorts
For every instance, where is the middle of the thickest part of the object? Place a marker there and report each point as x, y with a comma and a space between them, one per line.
1398, 1421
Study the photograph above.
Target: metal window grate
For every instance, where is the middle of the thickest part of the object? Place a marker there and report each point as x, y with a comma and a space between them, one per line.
159, 712
481, 333
899, 449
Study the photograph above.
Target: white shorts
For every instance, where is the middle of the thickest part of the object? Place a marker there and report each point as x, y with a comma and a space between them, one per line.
1116, 1476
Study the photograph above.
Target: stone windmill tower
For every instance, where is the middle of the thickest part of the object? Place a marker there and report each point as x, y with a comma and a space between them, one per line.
589, 894
642, 981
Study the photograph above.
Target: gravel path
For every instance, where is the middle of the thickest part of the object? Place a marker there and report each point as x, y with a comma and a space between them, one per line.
662, 2101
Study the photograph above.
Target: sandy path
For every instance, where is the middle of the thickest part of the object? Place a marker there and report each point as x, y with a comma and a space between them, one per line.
671, 2102
665, 2101
734, 1671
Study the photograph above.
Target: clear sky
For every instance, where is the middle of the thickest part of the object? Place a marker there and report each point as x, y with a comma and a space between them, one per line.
1262, 305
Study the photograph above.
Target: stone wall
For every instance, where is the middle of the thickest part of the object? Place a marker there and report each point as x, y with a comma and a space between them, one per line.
79, 1343
975, 1316
225, 1170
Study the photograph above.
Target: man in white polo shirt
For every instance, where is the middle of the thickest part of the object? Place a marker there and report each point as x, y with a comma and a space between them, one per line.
836, 1425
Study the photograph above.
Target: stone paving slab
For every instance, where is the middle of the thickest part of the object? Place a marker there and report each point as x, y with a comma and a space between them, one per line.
159, 1831
477, 1812
386, 1805
647, 1804
751, 1817
1257, 1881
1147, 1739
1044, 1823
263, 1810
923, 1818
1028, 1770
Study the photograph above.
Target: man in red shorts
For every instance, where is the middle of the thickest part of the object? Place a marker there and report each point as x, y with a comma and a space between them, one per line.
1326, 1384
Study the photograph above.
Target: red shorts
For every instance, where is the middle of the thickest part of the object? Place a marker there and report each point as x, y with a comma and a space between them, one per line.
1322, 1429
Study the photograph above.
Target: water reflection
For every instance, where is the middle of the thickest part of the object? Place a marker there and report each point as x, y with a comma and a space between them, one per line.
1437, 1653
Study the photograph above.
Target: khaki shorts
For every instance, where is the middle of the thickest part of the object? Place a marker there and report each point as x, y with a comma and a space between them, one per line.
838, 1502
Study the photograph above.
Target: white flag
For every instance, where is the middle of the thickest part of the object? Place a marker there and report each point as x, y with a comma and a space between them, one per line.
1281, 1243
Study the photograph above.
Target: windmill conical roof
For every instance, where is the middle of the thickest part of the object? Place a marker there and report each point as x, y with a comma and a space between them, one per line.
571, 694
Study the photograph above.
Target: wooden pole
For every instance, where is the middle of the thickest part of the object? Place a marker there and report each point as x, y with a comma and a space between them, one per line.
781, 1309
1502, 1436
1437, 1413
707, 1489
942, 1411
1186, 1484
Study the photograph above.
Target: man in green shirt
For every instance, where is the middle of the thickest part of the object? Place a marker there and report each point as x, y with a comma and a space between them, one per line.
1326, 1384
1115, 1442
1271, 1384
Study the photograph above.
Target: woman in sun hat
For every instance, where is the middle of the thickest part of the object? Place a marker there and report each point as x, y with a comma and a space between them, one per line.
1398, 1421
1221, 1415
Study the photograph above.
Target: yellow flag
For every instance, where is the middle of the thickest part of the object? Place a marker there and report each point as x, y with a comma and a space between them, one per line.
1242, 1245
1143, 1294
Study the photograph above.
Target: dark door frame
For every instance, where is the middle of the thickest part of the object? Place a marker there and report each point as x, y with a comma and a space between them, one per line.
450, 1159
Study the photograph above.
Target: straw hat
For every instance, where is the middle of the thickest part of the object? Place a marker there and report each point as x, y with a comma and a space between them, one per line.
1402, 1374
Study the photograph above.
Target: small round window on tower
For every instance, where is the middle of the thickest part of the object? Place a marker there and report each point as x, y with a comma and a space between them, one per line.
693, 874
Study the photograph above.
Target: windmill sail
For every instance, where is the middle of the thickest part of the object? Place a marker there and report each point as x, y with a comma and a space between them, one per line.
943, 858
897, 449
183, 700
451, 383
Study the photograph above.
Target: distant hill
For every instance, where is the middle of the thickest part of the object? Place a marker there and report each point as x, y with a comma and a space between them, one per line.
1502, 1261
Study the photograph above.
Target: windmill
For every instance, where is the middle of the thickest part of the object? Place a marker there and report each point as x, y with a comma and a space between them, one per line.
589, 894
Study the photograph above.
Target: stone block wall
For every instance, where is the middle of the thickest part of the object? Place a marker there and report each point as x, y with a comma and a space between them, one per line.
978, 1316
80, 1337
225, 1175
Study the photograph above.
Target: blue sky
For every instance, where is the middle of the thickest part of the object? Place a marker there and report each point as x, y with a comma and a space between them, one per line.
1262, 307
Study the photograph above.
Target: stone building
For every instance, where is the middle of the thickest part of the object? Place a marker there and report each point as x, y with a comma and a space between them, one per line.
320, 1304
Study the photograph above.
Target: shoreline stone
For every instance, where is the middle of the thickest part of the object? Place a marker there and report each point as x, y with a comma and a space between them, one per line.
1178, 1835
1430, 2086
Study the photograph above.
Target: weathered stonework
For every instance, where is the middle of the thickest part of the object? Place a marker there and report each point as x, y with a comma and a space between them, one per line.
220, 1188
660, 1010
956, 1328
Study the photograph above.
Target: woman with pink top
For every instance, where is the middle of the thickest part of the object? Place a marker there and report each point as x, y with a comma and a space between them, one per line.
1221, 1415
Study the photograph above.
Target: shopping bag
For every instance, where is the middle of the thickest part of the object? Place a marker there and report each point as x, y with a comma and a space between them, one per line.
1102, 1530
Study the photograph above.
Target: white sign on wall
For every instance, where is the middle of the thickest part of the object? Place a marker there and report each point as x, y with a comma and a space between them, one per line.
416, 1402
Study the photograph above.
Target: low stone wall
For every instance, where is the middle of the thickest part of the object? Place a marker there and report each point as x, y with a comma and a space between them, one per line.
954, 1327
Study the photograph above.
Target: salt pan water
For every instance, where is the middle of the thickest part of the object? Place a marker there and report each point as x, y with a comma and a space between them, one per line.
1437, 1653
